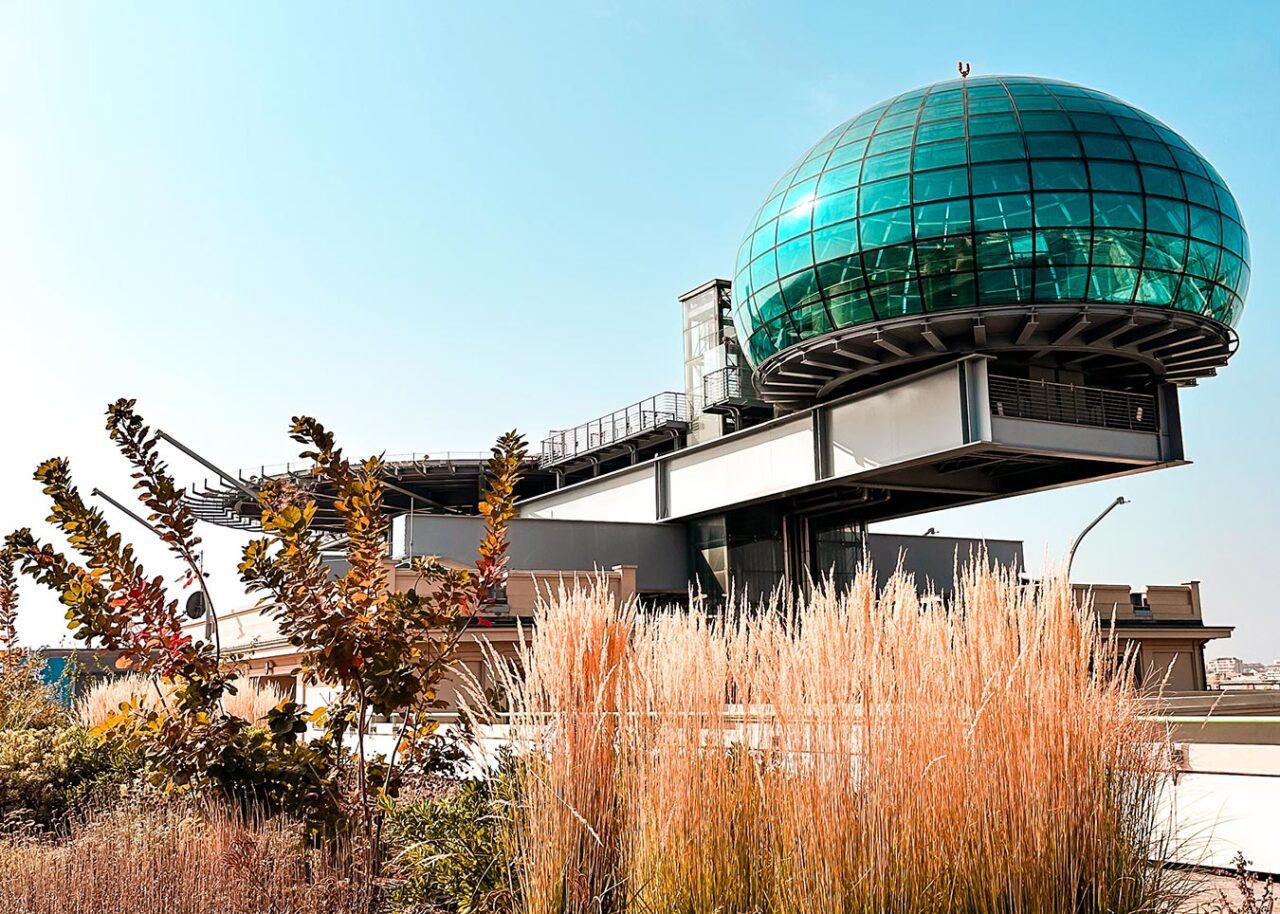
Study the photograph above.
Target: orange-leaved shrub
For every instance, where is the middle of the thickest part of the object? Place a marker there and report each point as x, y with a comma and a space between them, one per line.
863, 751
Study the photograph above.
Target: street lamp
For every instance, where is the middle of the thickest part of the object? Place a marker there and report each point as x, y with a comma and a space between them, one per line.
1071, 556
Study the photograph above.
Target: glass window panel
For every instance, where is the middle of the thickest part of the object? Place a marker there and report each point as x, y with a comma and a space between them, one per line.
1004, 285
859, 131
1166, 215
1118, 247
1136, 129
781, 332
846, 154
1003, 178
811, 167
1082, 103
985, 124
1002, 249
763, 238
1008, 211
1061, 209
839, 178
889, 264
1232, 236
835, 241
888, 194
886, 165
937, 155
1112, 284
1060, 283
770, 210
1059, 174
1188, 161
886, 142
1229, 270
769, 303
951, 290
784, 182
994, 148
1221, 304
851, 309
760, 345
1227, 204
897, 299
940, 130
800, 289
891, 122
1202, 259
1063, 246
992, 105
1105, 147
1193, 295
1165, 252
1045, 121
893, 227
1095, 123
795, 255
1205, 224
910, 102
1162, 181
1157, 288
836, 208
940, 112
1037, 103
839, 277
1120, 176
1200, 191
940, 184
1148, 151
795, 220
801, 192
1122, 210
1053, 145
764, 270
950, 217
811, 320
944, 255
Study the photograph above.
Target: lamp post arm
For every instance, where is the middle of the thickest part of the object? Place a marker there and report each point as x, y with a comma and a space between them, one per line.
1071, 556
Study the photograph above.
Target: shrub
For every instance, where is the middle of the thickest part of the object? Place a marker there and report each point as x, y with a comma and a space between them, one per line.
47, 771
853, 752
448, 851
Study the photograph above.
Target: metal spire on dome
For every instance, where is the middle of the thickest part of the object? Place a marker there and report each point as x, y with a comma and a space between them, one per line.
963, 67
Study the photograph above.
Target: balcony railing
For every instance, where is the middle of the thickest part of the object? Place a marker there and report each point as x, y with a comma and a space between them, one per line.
1046, 401
659, 411
728, 385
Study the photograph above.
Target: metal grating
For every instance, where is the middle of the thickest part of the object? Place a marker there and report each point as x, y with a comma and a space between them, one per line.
1046, 401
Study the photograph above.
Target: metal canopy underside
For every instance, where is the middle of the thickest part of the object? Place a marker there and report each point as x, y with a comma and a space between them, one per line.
423, 486
1124, 344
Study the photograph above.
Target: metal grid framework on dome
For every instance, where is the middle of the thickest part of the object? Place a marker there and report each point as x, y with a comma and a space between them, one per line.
991, 193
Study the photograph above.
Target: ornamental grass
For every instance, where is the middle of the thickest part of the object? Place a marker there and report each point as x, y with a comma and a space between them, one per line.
865, 751
172, 858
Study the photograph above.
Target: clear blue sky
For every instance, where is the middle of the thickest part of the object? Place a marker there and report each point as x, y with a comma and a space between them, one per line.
427, 223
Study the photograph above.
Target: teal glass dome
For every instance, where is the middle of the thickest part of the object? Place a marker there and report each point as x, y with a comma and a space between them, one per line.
989, 193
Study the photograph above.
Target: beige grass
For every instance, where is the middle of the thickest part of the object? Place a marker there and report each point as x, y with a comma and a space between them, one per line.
170, 859
250, 702
856, 753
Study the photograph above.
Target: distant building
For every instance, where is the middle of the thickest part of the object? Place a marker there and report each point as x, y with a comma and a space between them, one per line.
1225, 667
1163, 624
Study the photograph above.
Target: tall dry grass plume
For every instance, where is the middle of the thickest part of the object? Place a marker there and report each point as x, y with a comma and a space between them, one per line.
251, 701
854, 752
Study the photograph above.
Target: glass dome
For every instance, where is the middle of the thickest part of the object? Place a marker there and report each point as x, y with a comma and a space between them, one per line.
988, 192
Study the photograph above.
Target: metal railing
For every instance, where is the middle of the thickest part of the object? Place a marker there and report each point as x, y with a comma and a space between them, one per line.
728, 384
653, 413
1019, 398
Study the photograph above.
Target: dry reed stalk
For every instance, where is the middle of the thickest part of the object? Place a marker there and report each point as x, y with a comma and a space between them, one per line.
251, 701
852, 752
169, 859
